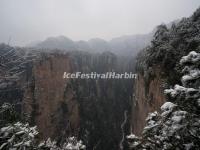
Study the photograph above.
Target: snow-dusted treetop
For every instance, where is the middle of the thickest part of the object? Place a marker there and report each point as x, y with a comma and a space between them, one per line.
192, 57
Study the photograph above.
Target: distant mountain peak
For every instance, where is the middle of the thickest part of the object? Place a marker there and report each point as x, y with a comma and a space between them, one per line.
124, 45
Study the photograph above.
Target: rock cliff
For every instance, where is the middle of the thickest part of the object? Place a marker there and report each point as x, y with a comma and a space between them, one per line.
90, 109
148, 97
54, 112
158, 66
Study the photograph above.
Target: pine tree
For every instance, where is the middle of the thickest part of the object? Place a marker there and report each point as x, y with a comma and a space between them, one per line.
178, 125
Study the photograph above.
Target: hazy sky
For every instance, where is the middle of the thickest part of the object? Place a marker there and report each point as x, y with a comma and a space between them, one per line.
32, 20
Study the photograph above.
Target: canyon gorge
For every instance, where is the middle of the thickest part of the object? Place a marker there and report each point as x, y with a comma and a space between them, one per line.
100, 112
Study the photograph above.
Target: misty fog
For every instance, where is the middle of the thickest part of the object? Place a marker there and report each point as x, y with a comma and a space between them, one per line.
26, 21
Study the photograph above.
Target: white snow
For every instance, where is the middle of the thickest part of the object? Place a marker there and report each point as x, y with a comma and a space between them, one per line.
178, 116
168, 106
191, 57
198, 101
176, 119
131, 136
193, 74
188, 146
151, 115
178, 89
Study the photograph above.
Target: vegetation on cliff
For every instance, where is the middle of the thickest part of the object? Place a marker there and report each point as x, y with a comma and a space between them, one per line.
177, 126
75, 107
168, 46
19, 135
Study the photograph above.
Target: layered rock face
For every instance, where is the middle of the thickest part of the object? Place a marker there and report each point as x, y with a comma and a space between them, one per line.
158, 66
102, 101
149, 96
91, 109
44, 98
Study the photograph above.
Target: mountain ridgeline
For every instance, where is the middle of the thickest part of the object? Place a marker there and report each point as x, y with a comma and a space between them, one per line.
125, 45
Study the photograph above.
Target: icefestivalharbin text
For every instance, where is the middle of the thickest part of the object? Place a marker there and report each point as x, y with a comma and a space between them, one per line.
94, 75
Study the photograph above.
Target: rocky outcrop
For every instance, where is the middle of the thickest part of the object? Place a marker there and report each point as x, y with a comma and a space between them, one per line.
149, 96
54, 111
90, 109
157, 64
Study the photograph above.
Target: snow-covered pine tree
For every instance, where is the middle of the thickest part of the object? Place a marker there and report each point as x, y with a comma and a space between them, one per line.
187, 96
178, 124
70, 143
18, 135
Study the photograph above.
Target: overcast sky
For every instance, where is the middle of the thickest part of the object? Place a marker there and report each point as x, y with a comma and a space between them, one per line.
32, 20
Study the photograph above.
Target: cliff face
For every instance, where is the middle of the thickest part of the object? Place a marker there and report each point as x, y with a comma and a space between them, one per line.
54, 112
157, 64
149, 97
91, 109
